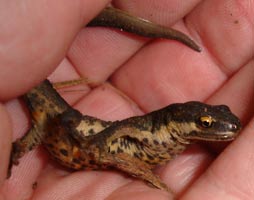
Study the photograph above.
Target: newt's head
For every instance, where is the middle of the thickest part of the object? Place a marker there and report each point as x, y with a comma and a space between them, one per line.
199, 121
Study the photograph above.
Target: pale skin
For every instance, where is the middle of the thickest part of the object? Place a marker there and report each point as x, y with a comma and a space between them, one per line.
35, 37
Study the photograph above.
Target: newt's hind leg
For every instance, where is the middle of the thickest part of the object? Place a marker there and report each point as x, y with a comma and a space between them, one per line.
135, 168
23, 145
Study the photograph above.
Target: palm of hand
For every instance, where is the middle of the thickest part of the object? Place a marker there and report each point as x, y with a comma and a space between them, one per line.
159, 73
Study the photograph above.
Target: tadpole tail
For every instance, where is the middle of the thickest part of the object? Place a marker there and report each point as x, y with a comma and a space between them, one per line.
115, 18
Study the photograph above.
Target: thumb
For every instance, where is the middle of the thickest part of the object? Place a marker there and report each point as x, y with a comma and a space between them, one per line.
34, 38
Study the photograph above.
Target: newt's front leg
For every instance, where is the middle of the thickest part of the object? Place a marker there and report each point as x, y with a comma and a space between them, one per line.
23, 145
55, 125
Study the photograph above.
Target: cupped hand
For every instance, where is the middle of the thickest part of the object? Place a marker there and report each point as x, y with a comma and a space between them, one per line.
137, 75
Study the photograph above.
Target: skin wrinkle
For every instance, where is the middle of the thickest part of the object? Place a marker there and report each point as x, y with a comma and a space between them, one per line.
205, 47
74, 67
163, 13
108, 36
219, 184
193, 162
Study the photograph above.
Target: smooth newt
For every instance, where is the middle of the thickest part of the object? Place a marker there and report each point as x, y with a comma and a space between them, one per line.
134, 145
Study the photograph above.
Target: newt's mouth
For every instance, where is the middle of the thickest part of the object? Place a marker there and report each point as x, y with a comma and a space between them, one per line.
219, 136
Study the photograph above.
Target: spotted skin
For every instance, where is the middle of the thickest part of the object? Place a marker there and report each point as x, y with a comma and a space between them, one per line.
134, 145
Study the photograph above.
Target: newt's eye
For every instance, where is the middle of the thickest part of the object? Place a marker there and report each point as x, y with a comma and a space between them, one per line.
206, 121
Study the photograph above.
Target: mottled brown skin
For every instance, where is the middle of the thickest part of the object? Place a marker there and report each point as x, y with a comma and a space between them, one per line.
134, 145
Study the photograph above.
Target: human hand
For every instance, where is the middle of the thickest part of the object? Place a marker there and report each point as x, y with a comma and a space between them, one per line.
159, 73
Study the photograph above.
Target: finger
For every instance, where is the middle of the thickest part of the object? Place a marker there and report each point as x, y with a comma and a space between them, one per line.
227, 31
165, 12
86, 184
98, 52
238, 93
181, 172
231, 175
174, 74
35, 37
107, 103
65, 72
24, 176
